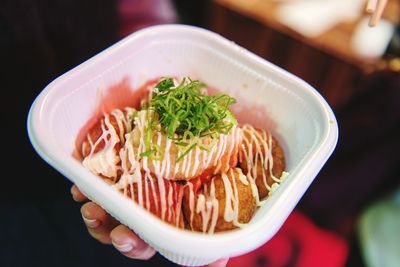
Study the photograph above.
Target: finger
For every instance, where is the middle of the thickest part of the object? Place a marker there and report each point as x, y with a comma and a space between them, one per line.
377, 14
219, 263
371, 6
77, 195
129, 244
98, 222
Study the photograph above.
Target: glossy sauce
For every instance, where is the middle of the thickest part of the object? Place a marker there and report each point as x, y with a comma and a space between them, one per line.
116, 96
150, 176
191, 165
256, 151
106, 162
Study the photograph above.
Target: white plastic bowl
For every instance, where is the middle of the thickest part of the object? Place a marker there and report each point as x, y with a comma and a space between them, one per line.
271, 97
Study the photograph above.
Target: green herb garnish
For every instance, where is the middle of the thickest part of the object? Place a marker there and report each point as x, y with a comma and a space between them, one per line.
186, 114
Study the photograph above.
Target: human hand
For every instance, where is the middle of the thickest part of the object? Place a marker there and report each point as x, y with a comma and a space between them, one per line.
108, 230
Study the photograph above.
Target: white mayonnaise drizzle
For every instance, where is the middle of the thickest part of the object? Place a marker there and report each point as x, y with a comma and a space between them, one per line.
206, 203
193, 164
106, 161
146, 179
256, 151
143, 177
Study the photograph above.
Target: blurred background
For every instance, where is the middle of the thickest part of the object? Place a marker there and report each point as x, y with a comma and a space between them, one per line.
350, 216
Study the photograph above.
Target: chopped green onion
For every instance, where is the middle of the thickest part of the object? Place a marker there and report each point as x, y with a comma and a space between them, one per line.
186, 115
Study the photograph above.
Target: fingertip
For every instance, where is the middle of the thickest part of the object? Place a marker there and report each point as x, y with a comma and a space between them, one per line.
77, 195
91, 210
122, 235
98, 222
92, 215
129, 244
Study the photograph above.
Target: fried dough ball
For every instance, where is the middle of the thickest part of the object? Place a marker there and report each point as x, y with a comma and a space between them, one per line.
221, 156
259, 152
223, 203
100, 149
161, 197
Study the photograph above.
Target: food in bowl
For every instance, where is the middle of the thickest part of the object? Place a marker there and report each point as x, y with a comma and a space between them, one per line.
184, 157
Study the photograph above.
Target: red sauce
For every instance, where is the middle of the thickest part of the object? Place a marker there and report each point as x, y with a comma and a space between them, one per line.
119, 95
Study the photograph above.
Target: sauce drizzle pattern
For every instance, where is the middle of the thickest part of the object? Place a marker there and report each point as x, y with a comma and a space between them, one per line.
151, 177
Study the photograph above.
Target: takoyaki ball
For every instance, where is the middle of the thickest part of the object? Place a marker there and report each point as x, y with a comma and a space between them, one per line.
223, 203
258, 153
161, 197
100, 149
169, 159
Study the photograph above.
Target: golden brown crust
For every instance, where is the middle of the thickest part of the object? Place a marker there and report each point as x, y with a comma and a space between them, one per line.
179, 212
247, 203
96, 132
278, 163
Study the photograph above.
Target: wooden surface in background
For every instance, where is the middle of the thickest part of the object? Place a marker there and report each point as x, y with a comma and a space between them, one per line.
326, 62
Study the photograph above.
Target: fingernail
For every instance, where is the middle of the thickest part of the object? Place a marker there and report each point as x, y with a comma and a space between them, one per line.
125, 248
73, 192
91, 223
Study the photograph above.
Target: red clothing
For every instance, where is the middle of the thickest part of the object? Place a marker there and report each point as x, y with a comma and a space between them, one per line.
299, 243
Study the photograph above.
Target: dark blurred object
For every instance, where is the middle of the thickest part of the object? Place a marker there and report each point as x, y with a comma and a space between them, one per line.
365, 164
393, 49
52, 234
194, 12
137, 14
39, 41
328, 61
379, 230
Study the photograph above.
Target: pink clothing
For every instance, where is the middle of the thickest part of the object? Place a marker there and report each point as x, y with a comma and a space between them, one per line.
138, 14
